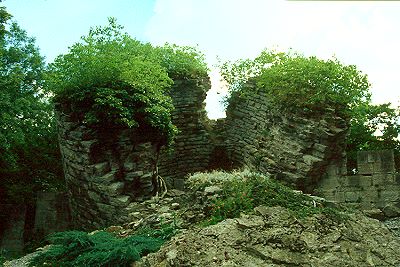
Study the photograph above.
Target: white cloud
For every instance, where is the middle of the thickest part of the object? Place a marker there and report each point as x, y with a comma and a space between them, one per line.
366, 34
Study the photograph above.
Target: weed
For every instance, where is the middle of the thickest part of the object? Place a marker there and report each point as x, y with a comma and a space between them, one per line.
243, 191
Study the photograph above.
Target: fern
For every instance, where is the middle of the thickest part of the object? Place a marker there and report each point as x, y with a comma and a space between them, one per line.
75, 248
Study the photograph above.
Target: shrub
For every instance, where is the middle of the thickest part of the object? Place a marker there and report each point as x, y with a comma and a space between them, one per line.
295, 82
2, 260
75, 248
243, 191
110, 80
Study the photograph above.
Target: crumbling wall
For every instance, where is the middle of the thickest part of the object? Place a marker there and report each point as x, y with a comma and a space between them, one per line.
12, 238
104, 172
106, 176
294, 147
108, 171
376, 186
52, 213
192, 148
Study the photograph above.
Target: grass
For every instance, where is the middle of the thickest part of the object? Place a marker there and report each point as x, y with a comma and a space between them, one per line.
243, 191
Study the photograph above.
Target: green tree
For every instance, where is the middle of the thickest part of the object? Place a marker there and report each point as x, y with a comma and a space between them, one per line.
116, 81
373, 127
293, 81
29, 154
308, 84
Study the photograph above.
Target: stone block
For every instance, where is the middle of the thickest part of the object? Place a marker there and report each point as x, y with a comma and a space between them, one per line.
106, 211
391, 210
103, 180
87, 145
365, 168
389, 195
94, 196
374, 213
115, 188
129, 166
130, 176
340, 197
365, 182
352, 197
100, 169
370, 194
12, 240
120, 201
381, 179
375, 162
329, 183
329, 195
354, 180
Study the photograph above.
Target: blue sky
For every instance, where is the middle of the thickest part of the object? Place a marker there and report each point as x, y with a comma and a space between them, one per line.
363, 33
57, 24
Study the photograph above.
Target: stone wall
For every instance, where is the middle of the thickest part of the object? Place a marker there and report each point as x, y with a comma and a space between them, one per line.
192, 148
376, 186
295, 148
108, 172
104, 172
52, 213
24, 223
12, 238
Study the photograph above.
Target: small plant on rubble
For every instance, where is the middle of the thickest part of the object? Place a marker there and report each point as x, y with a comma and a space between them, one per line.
76, 248
243, 191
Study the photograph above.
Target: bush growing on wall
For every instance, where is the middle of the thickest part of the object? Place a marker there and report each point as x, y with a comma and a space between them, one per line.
293, 81
113, 80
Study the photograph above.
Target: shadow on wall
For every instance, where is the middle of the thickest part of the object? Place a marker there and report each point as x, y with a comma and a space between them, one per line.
25, 224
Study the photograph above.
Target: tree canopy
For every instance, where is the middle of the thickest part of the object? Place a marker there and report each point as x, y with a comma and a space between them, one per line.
29, 154
117, 81
373, 127
308, 84
293, 81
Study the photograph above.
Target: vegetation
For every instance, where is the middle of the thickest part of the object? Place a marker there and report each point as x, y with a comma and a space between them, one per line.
2, 260
295, 82
307, 84
110, 80
373, 127
116, 81
29, 154
243, 191
76, 248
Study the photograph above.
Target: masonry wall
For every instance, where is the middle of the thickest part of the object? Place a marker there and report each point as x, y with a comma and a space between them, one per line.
12, 238
50, 214
375, 186
295, 148
192, 148
104, 172
108, 172
108, 176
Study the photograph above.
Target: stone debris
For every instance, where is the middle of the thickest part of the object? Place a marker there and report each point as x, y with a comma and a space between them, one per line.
278, 239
